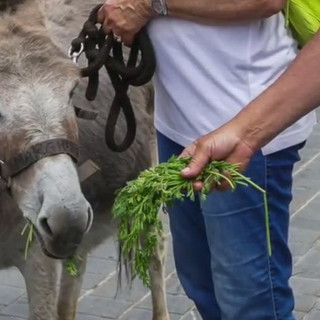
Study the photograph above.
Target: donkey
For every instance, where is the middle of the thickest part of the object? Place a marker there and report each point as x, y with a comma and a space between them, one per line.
37, 82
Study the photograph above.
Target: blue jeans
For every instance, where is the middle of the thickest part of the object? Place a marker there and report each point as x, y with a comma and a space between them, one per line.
220, 246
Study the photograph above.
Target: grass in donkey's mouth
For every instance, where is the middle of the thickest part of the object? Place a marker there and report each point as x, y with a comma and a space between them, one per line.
71, 262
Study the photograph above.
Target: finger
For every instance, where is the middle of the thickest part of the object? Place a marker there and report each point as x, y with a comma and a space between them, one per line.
197, 186
127, 39
116, 37
188, 151
199, 160
101, 15
106, 27
224, 184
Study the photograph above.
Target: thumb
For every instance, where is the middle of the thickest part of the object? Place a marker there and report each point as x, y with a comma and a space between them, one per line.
198, 162
101, 16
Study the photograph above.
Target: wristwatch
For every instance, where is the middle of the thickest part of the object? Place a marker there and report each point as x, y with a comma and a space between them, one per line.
159, 7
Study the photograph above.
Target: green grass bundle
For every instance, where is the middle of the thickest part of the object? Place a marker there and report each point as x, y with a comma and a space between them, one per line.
138, 203
71, 263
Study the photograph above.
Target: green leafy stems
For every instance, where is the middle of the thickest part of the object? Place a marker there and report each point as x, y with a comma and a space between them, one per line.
30, 237
71, 263
138, 203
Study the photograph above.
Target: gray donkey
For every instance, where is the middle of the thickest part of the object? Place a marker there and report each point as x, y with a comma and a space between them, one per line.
37, 82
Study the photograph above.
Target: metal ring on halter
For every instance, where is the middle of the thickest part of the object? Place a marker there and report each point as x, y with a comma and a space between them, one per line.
74, 55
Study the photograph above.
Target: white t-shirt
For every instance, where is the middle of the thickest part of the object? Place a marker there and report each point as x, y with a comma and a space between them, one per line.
206, 74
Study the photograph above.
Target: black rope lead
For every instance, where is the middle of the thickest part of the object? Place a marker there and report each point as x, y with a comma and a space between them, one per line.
98, 48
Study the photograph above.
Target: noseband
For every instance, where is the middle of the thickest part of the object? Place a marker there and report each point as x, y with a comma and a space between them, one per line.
19, 163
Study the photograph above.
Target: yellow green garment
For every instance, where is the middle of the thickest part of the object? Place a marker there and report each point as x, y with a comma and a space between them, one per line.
303, 17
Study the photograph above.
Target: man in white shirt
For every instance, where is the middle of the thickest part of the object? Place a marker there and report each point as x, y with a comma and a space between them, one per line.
293, 95
213, 57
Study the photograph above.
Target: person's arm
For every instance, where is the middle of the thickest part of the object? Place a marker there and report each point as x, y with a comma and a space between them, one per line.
292, 96
223, 11
126, 17
296, 93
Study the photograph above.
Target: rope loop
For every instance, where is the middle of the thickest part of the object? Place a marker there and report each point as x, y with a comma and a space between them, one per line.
103, 50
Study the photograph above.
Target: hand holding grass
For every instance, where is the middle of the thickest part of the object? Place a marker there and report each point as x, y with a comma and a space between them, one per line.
137, 205
225, 144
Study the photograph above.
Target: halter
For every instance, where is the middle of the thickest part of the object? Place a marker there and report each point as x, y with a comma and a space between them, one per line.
20, 162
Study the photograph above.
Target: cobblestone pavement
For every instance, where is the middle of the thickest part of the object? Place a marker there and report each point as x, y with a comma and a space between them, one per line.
97, 300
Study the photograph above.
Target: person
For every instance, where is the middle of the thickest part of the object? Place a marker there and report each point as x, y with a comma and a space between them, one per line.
214, 57
293, 95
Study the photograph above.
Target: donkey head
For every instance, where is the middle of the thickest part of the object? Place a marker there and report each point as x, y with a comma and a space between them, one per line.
36, 85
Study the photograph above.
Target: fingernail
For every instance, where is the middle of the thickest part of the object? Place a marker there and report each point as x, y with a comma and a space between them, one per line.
185, 170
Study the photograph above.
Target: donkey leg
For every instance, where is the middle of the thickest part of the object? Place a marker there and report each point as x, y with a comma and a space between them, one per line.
70, 287
157, 281
40, 275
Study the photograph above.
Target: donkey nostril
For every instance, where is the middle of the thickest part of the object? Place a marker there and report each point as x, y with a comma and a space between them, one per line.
44, 224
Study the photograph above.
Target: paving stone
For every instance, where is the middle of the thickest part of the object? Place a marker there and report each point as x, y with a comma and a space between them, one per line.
299, 249
19, 308
306, 185
100, 266
12, 278
90, 280
100, 307
170, 266
174, 286
176, 304
192, 315
106, 250
313, 315
308, 266
308, 237
12, 318
306, 286
306, 223
144, 314
137, 314
304, 303
126, 293
173, 316
88, 317
10, 294
296, 259
299, 315
309, 209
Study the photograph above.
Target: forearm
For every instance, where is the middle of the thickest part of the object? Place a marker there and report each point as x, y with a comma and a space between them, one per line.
222, 11
293, 95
